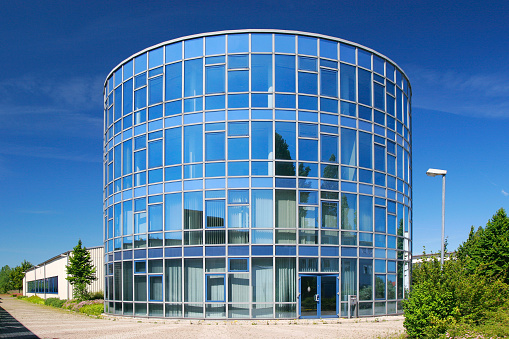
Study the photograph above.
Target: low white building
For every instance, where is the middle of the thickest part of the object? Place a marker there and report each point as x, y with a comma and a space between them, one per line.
48, 279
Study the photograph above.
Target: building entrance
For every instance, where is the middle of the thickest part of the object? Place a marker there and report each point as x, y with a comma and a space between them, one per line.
318, 296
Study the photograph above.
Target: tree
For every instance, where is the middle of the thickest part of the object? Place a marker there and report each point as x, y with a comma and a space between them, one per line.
5, 279
80, 271
487, 249
17, 274
441, 298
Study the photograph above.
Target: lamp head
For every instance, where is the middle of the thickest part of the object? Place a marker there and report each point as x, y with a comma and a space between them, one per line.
433, 172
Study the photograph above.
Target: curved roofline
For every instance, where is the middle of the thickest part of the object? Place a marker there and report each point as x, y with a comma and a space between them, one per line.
257, 30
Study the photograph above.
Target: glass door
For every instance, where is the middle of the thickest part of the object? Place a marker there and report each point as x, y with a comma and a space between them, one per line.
318, 296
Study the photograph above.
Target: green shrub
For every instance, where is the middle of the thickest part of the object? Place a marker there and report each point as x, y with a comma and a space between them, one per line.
95, 309
96, 295
35, 300
55, 302
441, 299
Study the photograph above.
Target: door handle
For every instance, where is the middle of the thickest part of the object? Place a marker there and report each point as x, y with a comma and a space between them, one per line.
317, 297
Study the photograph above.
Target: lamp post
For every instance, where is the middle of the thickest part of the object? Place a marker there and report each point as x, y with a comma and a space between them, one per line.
433, 172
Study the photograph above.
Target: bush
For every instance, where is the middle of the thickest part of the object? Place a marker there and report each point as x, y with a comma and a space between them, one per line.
55, 302
442, 299
35, 300
76, 305
95, 309
96, 295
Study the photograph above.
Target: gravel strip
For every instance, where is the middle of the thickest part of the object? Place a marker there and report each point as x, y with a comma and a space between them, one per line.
48, 322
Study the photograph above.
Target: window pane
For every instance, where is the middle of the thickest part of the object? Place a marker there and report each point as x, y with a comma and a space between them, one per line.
261, 208
193, 77
173, 81
214, 79
155, 218
193, 210
238, 216
173, 142
262, 280
173, 280
193, 280
329, 82
348, 147
347, 82
215, 210
214, 143
285, 141
308, 149
330, 214
155, 154
285, 208
261, 74
329, 148
261, 141
364, 87
285, 73
348, 211
365, 150
193, 147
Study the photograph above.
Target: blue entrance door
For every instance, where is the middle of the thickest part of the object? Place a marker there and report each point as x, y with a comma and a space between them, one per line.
318, 296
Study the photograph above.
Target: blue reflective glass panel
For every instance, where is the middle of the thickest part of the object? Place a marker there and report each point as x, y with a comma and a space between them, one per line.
238, 81
238, 43
193, 148
214, 79
348, 82
173, 78
328, 49
261, 140
308, 149
285, 73
307, 45
284, 43
329, 83
285, 140
214, 146
261, 42
193, 77
329, 148
261, 73
173, 146
215, 45
238, 148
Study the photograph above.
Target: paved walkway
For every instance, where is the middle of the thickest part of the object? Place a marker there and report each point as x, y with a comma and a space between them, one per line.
20, 319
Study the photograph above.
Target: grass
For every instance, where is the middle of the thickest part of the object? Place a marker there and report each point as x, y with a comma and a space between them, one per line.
95, 309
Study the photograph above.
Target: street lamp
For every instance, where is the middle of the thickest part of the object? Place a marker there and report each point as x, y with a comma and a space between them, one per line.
433, 172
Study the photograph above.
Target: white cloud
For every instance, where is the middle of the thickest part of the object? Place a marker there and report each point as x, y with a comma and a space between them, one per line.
505, 193
482, 95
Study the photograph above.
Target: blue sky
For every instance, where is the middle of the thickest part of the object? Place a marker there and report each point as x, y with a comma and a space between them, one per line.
55, 56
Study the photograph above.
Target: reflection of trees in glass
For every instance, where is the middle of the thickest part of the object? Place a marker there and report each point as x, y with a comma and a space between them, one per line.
400, 240
391, 289
304, 171
400, 228
283, 152
366, 292
346, 223
379, 288
400, 279
331, 171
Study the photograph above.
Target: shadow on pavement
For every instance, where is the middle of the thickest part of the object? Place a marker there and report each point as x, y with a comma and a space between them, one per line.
11, 328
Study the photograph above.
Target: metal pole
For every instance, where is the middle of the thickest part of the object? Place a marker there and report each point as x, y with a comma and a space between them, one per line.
443, 222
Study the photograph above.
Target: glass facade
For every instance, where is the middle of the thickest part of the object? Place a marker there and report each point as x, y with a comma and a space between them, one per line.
257, 174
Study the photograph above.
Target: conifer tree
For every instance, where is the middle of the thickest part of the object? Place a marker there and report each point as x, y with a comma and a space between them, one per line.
80, 271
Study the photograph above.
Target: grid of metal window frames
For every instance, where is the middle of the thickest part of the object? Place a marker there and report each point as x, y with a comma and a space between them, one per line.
47, 285
264, 149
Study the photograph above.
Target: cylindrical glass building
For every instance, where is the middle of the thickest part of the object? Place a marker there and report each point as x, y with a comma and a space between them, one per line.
257, 174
